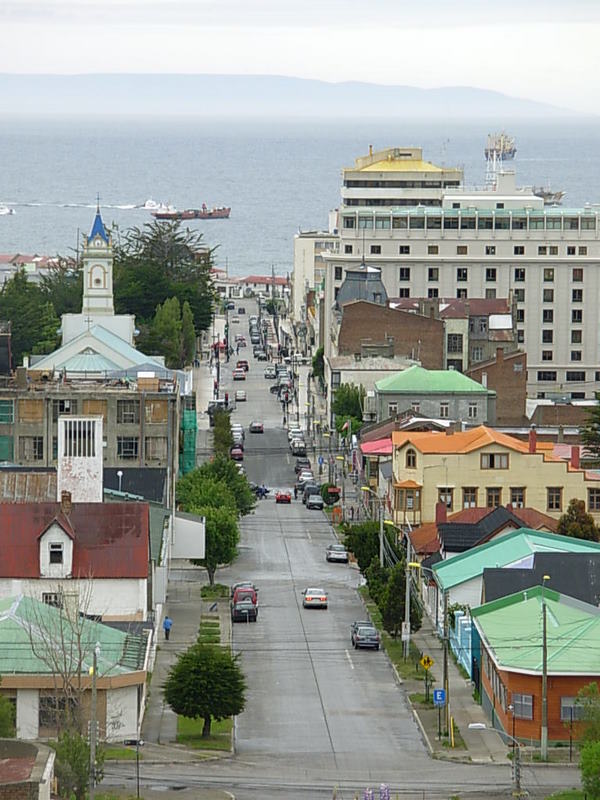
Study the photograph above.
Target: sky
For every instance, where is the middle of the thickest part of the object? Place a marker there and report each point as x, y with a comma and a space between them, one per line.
544, 50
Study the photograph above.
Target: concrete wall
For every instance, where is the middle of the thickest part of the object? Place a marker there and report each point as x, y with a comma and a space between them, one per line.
27, 713
459, 406
121, 713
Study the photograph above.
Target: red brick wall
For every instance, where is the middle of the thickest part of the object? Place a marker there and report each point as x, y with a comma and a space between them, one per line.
510, 386
414, 336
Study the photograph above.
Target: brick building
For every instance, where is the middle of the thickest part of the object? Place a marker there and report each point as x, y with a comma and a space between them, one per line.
506, 374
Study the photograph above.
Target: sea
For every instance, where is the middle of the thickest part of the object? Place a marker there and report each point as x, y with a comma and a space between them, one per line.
279, 176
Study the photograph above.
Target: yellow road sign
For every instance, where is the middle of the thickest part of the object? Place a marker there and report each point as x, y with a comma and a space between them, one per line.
427, 662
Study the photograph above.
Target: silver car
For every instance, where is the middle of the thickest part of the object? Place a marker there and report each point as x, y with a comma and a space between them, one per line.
315, 501
314, 598
336, 552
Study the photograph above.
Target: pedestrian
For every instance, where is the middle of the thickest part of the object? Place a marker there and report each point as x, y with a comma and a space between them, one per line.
167, 625
352, 513
295, 492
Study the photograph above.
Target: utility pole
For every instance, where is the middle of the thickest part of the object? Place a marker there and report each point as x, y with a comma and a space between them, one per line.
446, 687
406, 642
381, 558
93, 724
544, 732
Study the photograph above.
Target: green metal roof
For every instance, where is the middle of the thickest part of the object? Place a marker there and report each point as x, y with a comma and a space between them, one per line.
514, 549
511, 628
32, 633
417, 380
89, 361
158, 518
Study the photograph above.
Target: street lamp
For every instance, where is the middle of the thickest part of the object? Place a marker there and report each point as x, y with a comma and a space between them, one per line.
544, 731
516, 765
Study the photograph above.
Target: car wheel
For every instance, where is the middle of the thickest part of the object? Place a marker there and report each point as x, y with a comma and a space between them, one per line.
376, 647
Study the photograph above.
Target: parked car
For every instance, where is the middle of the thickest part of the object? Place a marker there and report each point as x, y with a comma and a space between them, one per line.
237, 428
235, 320
256, 427
315, 501
295, 433
245, 592
360, 623
283, 496
365, 636
240, 396
314, 598
310, 488
239, 374
298, 447
270, 372
236, 453
230, 306
261, 356
240, 468
306, 476
244, 611
240, 585
241, 310
238, 440
336, 552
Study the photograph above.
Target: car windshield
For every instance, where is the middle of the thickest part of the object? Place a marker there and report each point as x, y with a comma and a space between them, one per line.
366, 630
339, 548
315, 591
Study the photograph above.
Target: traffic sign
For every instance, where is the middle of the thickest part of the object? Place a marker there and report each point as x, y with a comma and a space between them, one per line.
439, 697
406, 631
427, 662
321, 460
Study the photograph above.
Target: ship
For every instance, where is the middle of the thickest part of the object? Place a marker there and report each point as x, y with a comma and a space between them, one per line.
549, 197
221, 212
501, 145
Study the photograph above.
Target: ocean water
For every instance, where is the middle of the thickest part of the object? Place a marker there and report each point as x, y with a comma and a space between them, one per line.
278, 176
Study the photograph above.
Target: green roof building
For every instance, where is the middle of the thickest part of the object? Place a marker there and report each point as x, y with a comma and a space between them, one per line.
436, 393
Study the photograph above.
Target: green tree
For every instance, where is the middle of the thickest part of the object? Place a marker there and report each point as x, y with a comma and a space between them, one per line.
377, 578
165, 333
206, 683
49, 325
188, 332
63, 287
393, 600
207, 492
318, 364
222, 536
222, 437
220, 469
7, 717
576, 522
20, 304
347, 405
588, 708
589, 767
590, 432
363, 541
72, 766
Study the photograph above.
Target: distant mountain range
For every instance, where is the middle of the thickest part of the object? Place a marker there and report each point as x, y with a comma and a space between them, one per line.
253, 95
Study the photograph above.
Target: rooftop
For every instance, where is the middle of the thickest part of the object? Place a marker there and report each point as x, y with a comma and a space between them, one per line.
458, 441
419, 380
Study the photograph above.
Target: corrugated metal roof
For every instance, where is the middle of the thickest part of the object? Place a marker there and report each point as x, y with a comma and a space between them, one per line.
88, 361
110, 539
27, 487
459, 441
512, 631
417, 380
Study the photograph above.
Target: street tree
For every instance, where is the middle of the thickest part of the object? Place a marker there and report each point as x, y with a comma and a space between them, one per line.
62, 286
589, 767
223, 469
347, 405
72, 766
208, 492
393, 600
318, 364
576, 522
206, 683
222, 535
166, 333
222, 436
188, 333
588, 712
590, 431
7, 717
20, 304
363, 541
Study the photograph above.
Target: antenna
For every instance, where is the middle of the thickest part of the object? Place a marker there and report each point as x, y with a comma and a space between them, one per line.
98, 203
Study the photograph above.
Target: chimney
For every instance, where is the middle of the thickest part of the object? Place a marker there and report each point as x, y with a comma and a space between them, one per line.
440, 513
532, 439
561, 434
499, 355
370, 149
575, 456
65, 503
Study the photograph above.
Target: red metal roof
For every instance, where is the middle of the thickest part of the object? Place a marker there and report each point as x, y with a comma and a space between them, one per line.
109, 540
380, 447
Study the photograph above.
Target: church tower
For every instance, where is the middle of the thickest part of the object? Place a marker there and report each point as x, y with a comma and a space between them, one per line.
98, 271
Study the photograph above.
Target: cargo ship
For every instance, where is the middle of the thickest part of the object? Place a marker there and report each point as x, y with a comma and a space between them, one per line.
222, 212
501, 145
549, 197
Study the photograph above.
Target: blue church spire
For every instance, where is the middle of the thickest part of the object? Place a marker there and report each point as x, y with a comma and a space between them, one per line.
98, 228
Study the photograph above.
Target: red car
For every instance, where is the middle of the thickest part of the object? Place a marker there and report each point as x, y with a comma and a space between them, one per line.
236, 454
242, 364
283, 497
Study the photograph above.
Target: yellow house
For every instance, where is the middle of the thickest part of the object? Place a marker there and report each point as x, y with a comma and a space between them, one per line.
482, 467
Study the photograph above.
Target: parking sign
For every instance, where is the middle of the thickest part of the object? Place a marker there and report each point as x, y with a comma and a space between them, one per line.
439, 697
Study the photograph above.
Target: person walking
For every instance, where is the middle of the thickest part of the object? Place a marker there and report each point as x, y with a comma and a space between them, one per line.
167, 625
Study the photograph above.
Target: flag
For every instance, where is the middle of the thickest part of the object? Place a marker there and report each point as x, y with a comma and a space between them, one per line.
345, 425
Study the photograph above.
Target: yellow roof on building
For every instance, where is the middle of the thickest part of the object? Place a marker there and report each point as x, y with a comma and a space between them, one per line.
400, 165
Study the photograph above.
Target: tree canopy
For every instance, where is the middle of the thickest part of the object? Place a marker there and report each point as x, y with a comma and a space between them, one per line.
363, 541
222, 535
34, 324
347, 405
576, 522
206, 683
220, 468
590, 432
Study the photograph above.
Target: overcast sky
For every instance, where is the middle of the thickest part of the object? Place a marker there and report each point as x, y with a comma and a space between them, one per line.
544, 50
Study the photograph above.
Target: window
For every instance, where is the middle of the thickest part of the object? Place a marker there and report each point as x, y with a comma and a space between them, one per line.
435, 292
520, 315
336, 379
548, 296
519, 275
582, 250
455, 342
542, 251
490, 274
7, 412
576, 337
444, 409
588, 224
472, 411
56, 553
156, 448
553, 250
365, 222
576, 376
577, 315
404, 292
571, 710
127, 447
51, 709
593, 499
400, 222
494, 461
462, 250
349, 222
60, 408
462, 274
31, 448
52, 599
522, 706
575, 355
432, 249
411, 459
490, 294
348, 249
548, 316
517, 496
554, 498
469, 496
404, 273
520, 336
548, 274
577, 295
461, 294
547, 336
493, 496
477, 354
382, 223
417, 223
416, 407
577, 275
490, 250
499, 205
547, 355
520, 295
404, 249
571, 250
375, 249
337, 274
392, 409
128, 411
433, 274
445, 496
79, 438
546, 375
519, 250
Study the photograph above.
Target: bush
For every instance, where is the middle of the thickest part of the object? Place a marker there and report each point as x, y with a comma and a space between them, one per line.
589, 766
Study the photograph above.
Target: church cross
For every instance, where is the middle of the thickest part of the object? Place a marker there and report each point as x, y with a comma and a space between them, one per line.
89, 321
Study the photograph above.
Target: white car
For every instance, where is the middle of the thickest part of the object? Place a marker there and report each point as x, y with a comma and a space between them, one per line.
295, 433
314, 598
240, 396
336, 552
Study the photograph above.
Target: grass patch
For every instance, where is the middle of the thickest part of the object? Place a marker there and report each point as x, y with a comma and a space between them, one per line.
459, 742
121, 753
214, 592
568, 794
189, 732
210, 631
209, 638
418, 699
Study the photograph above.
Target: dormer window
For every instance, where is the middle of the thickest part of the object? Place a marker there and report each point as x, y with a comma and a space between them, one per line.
411, 459
56, 553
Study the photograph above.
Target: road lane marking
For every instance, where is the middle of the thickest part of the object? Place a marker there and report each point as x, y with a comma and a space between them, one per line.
309, 536
349, 659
